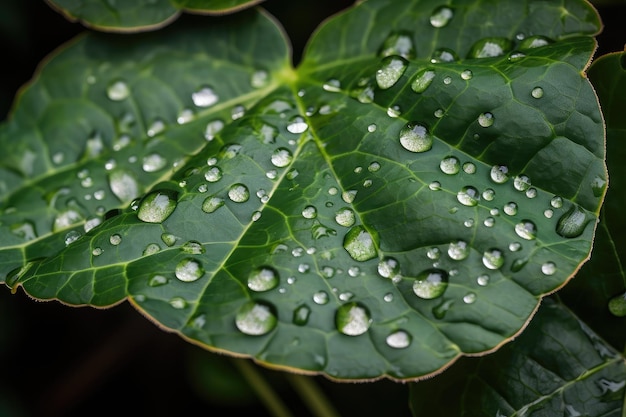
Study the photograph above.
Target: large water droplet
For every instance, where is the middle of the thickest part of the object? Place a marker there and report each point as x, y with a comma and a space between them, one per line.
398, 43
415, 137
499, 174
359, 244
493, 259
118, 90
458, 250
572, 223
450, 165
256, 318
281, 157
441, 16
309, 212
526, 229
521, 182
389, 268
422, 80
204, 97
391, 70
157, 206
263, 279
189, 270
431, 283
213, 174
490, 47
398, 339
238, 193
468, 196
352, 319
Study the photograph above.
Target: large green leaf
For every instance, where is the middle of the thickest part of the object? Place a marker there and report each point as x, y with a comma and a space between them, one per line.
140, 15
381, 210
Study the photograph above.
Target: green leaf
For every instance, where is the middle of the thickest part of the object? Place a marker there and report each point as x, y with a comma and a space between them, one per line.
369, 214
140, 15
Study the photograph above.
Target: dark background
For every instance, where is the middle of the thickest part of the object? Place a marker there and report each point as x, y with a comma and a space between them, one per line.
62, 361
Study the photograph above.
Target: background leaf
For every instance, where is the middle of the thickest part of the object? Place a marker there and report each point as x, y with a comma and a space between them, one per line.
279, 227
140, 15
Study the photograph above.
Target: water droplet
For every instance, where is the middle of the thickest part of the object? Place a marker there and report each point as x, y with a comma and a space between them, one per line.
493, 259
155, 128
212, 129
281, 157
97, 251
264, 278
450, 165
434, 186
486, 119
333, 85
192, 247
469, 298
189, 270
157, 206
482, 280
431, 283
115, 239
398, 339
169, 239
371, 128
535, 41
359, 244
447, 80
320, 297
394, 111
212, 203
150, 249
510, 208
499, 174
439, 113
390, 72
467, 74
238, 193
515, 246
204, 97
617, 305
489, 222
178, 303
157, 280
422, 80
256, 318
153, 162
556, 202
415, 137
118, 90
489, 194
398, 43
521, 182
318, 230
185, 116
537, 92
389, 268
297, 125
309, 212
259, 79
301, 315
468, 196
441, 16
458, 250
348, 196
531, 193
433, 253
352, 319
469, 168
213, 174
443, 55
345, 217
598, 184
440, 310
490, 47
548, 268
572, 223
526, 229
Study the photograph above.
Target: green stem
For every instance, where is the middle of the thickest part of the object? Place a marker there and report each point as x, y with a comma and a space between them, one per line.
312, 395
263, 390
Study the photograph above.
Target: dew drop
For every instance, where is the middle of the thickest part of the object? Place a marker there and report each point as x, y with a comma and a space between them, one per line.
212, 203
349, 196
389, 268
548, 268
468, 196
345, 217
415, 137
441, 16
433, 253
422, 80
447, 80
192, 247
97, 251
238, 193
572, 223
372, 128
374, 167
256, 318
157, 206
439, 113
486, 119
155, 128
189, 270
469, 298
467, 74
263, 278
490, 47
526, 229
259, 79
489, 222
440, 310
450, 165
493, 259
157, 280
510, 208
309, 212
458, 250
281, 157
359, 244
521, 182
598, 185
431, 283
499, 174
333, 85
212, 129
178, 303
115, 239
118, 90
489, 194
213, 174
150, 249
535, 41
297, 125
398, 43
391, 70
443, 55
537, 92
556, 202
434, 186
352, 319
301, 315
469, 168
394, 111
169, 239
320, 297
398, 339
204, 97
482, 280
153, 162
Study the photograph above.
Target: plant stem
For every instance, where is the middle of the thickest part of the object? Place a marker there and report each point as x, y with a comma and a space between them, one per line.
312, 395
264, 391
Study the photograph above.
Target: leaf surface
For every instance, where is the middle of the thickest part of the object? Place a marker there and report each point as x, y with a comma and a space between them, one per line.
381, 210
140, 15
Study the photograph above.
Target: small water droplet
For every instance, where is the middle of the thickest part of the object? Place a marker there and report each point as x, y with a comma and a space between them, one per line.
482, 280
572, 223
256, 318
309, 212
490, 47
348, 196
443, 55
447, 80
333, 85
153, 162
548, 268
178, 303
535, 41
259, 79
598, 185
150, 249
213, 174
192, 247
297, 125
352, 319
422, 80
157, 206
433, 253
467, 74
537, 92
486, 119
359, 244
320, 297
450, 165
469, 298
212, 129
493, 259
390, 72
521, 182
499, 174
212, 203
435, 186
97, 251
394, 111
458, 250
301, 315
398, 339
155, 128
204, 97
189, 270
169, 239
371, 128
468, 196
115, 239
263, 278
469, 168
431, 283
526, 229
389, 268
398, 43
510, 208
345, 217
415, 137
440, 310
441, 16
489, 194
118, 90
489, 222
157, 280
281, 157
238, 193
